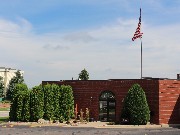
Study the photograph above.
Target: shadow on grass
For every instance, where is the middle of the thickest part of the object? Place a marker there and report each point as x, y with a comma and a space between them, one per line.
4, 119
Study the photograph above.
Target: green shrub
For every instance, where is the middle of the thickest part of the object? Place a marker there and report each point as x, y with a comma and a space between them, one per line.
37, 103
1, 87
56, 90
52, 102
66, 102
48, 102
25, 114
17, 79
20, 108
136, 108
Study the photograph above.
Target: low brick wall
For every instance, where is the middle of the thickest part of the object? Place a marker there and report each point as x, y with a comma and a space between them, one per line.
87, 93
169, 101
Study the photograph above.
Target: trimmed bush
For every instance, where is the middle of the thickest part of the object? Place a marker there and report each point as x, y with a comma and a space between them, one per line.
66, 102
52, 102
26, 106
48, 102
56, 90
136, 108
37, 103
20, 108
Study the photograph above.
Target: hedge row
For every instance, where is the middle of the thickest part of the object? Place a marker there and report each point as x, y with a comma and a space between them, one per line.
51, 102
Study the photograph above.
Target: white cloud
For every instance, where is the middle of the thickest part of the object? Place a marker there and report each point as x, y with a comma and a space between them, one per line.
106, 52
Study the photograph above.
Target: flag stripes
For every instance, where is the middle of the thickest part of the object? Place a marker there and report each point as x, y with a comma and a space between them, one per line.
138, 33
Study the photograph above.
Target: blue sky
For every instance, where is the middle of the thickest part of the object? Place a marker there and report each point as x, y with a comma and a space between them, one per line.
56, 39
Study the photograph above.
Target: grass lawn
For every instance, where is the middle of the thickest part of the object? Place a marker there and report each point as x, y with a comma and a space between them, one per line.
4, 109
4, 106
4, 119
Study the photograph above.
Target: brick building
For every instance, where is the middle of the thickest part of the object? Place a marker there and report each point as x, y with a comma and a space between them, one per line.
105, 98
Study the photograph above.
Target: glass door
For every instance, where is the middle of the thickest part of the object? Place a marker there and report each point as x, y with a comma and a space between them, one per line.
103, 110
107, 106
111, 110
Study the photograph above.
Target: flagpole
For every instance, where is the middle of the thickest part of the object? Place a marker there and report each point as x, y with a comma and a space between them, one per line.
138, 34
141, 46
141, 58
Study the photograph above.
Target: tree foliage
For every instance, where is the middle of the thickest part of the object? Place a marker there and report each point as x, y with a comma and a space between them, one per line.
1, 87
37, 103
48, 102
136, 108
17, 79
20, 108
66, 102
58, 102
51, 102
84, 75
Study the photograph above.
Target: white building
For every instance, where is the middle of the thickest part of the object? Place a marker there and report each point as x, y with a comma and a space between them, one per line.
7, 74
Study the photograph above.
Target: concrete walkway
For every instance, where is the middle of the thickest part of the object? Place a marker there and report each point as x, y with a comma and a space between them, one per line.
87, 125
97, 124
4, 113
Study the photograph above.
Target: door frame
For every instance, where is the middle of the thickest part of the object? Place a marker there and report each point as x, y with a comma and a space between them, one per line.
110, 98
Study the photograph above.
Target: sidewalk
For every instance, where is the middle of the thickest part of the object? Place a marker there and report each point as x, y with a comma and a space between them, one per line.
86, 125
4, 113
104, 125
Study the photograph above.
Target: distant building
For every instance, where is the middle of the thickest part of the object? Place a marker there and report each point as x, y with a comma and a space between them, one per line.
7, 74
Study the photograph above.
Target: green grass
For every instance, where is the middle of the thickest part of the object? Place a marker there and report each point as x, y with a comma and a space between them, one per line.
4, 109
5, 101
4, 119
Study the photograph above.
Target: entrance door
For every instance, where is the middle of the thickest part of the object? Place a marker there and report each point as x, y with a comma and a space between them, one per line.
107, 107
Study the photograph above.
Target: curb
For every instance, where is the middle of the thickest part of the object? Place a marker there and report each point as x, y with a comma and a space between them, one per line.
91, 125
170, 125
131, 126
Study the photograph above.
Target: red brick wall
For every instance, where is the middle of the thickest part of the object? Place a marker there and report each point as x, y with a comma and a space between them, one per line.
169, 101
84, 90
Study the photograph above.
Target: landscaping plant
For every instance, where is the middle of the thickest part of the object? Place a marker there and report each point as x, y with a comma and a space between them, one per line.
17, 79
66, 102
48, 102
20, 108
51, 102
1, 87
136, 108
37, 103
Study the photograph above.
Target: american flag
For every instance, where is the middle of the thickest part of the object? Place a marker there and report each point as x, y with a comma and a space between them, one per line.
138, 33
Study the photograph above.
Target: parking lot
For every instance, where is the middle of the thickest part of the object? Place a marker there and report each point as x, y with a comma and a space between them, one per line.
24, 130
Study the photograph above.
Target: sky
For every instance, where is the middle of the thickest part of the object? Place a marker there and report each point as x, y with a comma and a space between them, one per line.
52, 40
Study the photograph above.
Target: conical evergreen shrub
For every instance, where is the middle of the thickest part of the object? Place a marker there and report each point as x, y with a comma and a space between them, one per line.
20, 107
136, 108
48, 102
37, 103
66, 102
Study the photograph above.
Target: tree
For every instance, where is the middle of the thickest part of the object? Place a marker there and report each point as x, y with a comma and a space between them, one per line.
1, 87
37, 103
84, 75
48, 102
136, 108
66, 102
17, 79
20, 107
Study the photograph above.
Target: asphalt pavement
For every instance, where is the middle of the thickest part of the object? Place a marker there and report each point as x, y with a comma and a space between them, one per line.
92, 128
25, 130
